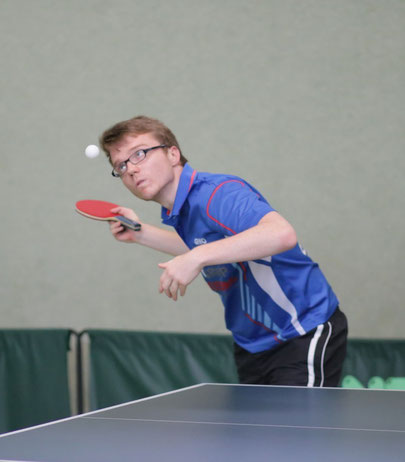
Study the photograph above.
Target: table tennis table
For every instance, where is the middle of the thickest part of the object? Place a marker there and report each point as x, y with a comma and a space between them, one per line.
219, 422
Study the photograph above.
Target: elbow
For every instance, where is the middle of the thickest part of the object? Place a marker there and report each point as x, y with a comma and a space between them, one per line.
282, 235
289, 239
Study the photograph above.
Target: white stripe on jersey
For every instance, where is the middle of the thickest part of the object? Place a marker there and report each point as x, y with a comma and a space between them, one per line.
266, 279
241, 285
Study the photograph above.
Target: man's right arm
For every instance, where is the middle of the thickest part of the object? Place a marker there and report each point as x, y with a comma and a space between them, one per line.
162, 240
156, 238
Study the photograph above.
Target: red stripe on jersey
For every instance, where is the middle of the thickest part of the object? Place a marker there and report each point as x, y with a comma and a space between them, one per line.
210, 199
192, 180
244, 270
221, 286
264, 327
221, 224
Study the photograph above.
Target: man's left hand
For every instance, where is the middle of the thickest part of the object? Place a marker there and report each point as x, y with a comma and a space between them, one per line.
178, 274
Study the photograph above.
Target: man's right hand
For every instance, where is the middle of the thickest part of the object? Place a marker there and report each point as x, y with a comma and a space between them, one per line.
162, 240
121, 233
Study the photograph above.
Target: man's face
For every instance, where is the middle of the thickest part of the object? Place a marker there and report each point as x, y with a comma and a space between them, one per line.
151, 179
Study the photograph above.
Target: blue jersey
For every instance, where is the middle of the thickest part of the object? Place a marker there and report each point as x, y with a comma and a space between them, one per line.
267, 301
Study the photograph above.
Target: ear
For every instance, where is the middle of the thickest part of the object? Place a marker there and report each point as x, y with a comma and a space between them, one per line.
173, 155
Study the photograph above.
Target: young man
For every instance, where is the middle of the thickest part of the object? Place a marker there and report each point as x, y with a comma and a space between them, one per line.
283, 314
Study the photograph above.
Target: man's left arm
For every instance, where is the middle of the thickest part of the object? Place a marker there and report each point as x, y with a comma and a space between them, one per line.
272, 235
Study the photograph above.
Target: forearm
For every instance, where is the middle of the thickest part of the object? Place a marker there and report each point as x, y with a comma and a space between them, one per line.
162, 240
271, 236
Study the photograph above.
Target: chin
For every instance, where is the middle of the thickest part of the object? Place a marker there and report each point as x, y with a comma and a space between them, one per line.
145, 195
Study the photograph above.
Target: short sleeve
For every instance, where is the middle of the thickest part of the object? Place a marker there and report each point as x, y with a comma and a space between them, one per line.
235, 206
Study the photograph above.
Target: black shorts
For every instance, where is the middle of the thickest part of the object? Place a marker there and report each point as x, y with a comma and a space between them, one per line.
313, 360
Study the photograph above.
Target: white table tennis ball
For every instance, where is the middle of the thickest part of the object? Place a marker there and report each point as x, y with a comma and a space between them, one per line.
92, 151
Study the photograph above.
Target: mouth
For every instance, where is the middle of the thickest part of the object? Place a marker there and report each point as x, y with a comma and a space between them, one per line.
140, 183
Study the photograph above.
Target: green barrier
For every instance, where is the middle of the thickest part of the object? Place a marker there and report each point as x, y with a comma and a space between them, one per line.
378, 364
126, 365
33, 377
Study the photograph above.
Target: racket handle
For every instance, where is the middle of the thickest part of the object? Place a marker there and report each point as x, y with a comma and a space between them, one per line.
128, 223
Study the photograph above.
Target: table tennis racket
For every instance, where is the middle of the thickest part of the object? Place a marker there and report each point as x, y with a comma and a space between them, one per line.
101, 210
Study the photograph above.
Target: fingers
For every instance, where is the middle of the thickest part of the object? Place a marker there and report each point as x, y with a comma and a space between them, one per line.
182, 289
115, 227
121, 233
170, 286
126, 212
173, 290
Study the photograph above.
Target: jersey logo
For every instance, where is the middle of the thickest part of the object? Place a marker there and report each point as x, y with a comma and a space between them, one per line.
215, 271
200, 241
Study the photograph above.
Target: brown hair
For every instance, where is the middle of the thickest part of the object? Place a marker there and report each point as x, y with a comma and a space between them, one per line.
139, 126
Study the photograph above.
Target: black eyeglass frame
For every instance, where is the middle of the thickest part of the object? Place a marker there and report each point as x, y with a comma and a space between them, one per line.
115, 174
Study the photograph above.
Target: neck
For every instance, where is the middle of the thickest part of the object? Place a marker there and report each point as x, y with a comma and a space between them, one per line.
167, 195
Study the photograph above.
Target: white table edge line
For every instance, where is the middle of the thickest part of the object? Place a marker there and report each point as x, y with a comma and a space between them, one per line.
308, 427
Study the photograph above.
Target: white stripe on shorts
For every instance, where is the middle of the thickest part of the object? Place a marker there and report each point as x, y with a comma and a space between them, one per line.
311, 355
323, 354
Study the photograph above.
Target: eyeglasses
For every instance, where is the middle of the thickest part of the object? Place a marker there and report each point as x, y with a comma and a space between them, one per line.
120, 169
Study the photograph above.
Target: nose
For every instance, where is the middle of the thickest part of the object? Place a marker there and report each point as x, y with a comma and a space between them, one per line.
132, 168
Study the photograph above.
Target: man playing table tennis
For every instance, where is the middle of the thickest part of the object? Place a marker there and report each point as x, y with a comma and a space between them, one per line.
283, 314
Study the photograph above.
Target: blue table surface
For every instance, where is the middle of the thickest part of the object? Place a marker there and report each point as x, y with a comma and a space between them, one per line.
216, 422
